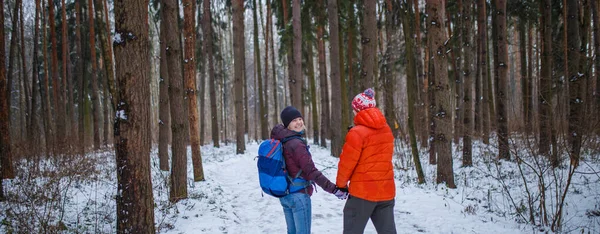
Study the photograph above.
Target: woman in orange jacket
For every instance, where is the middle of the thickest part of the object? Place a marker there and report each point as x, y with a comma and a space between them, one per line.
366, 169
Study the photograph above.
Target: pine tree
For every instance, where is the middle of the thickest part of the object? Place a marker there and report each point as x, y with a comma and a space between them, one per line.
135, 203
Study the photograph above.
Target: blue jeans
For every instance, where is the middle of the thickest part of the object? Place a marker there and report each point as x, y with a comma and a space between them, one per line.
297, 210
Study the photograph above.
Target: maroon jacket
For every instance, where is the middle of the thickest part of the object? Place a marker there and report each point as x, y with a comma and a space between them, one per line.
297, 157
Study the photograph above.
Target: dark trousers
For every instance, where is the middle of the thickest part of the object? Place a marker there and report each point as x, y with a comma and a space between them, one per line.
358, 211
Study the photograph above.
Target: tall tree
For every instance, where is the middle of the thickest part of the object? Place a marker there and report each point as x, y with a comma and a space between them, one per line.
24, 78
261, 100
545, 94
596, 19
6, 168
443, 93
164, 112
95, 77
334, 56
483, 63
80, 73
33, 129
323, 81
208, 46
103, 26
501, 80
368, 31
65, 71
189, 63
274, 72
12, 57
467, 24
296, 78
49, 125
525, 91
576, 83
178, 124
135, 202
411, 76
238, 51
56, 87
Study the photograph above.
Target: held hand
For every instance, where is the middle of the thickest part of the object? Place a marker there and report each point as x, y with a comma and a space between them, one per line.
340, 194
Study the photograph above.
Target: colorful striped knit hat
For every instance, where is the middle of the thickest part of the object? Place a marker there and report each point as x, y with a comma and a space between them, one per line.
364, 100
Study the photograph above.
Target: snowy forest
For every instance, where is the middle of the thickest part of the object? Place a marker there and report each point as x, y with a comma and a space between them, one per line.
145, 116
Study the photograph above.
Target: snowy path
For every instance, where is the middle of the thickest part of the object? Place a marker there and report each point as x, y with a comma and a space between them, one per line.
230, 201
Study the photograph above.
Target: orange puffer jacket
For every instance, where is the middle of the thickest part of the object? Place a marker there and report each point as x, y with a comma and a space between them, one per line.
366, 159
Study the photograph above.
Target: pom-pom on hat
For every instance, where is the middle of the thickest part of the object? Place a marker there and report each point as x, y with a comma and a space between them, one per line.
288, 114
364, 100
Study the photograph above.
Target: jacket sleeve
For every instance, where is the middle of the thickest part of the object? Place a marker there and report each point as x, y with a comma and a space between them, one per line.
349, 158
309, 171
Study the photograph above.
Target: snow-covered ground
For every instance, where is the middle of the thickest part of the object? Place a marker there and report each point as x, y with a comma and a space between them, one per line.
231, 201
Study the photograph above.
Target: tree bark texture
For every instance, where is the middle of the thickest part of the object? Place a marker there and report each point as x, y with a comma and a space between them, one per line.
442, 111
576, 80
176, 96
323, 81
411, 79
368, 41
467, 25
189, 63
334, 55
501, 83
6, 167
135, 203
164, 113
95, 77
238, 51
208, 39
296, 77
546, 93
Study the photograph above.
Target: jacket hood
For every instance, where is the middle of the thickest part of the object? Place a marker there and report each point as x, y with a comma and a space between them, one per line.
372, 118
279, 132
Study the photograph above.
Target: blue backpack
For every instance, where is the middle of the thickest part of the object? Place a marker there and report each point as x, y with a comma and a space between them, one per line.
272, 173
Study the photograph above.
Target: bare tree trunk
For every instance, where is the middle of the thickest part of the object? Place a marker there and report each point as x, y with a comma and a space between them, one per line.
526, 98
6, 167
421, 82
56, 87
189, 8
313, 91
272, 44
467, 25
296, 78
239, 63
12, 62
95, 77
501, 75
596, 18
545, 93
334, 55
485, 105
33, 130
443, 93
368, 40
394, 12
65, 76
264, 134
176, 95
267, 33
211, 72
323, 83
25, 80
576, 84
135, 207
80, 74
164, 107
202, 86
